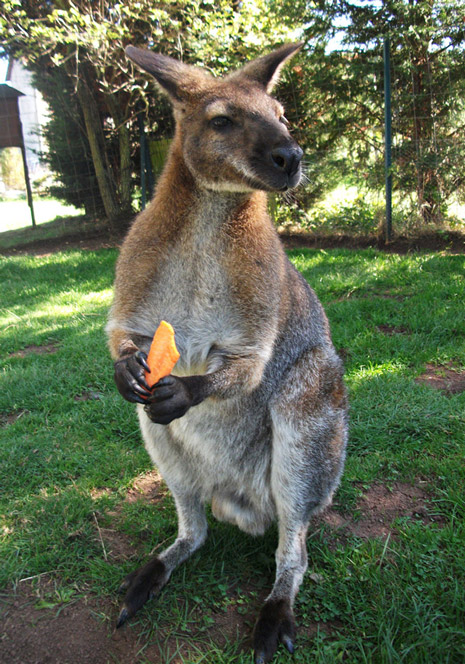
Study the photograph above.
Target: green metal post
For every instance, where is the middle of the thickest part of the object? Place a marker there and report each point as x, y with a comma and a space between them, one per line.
28, 185
387, 138
143, 157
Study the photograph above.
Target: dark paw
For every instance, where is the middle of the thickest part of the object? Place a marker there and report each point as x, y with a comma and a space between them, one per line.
170, 399
130, 377
275, 625
140, 586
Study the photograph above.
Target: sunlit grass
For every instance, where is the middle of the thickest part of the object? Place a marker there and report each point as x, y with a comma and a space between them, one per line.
16, 214
67, 459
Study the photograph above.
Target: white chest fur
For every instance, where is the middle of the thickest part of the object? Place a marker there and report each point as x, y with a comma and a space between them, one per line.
192, 291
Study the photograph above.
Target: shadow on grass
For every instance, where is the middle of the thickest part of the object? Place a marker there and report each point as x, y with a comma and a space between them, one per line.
59, 228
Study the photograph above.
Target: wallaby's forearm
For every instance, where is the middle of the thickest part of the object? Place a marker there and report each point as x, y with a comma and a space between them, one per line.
236, 375
229, 373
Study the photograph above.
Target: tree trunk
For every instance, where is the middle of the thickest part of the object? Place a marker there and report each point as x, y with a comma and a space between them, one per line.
428, 188
96, 141
124, 144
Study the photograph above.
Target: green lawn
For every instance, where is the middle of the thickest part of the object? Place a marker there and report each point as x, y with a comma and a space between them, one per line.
71, 450
17, 214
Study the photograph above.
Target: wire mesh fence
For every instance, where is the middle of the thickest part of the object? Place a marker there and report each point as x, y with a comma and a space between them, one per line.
336, 112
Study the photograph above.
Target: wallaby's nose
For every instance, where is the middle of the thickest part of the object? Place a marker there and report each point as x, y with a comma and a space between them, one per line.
287, 159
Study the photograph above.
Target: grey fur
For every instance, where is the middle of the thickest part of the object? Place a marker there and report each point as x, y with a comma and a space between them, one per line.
268, 441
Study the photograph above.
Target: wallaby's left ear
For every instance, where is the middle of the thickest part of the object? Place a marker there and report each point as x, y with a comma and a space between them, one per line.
180, 81
265, 70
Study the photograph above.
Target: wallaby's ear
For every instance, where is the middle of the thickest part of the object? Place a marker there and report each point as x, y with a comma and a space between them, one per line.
265, 70
179, 80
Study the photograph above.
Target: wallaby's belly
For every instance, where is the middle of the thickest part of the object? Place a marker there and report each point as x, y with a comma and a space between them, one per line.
222, 451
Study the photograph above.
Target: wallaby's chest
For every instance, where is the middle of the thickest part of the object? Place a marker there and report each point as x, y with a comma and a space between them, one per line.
192, 290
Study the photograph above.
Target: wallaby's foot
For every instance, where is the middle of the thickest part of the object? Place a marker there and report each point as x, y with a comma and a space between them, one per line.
275, 625
140, 586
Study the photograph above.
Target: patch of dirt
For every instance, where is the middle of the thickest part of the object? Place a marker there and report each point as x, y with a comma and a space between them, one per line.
91, 241
391, 330
444, 378
452, 242
88, 395
10, 418
379, 507
117, 546
328, 628
44, 349
149, 487
83, 631
80, 631
229, 625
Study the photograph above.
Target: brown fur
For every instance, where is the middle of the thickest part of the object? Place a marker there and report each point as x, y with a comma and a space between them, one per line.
253, 421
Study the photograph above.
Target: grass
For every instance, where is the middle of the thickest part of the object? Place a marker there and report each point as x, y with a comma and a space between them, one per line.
54, 220
67, 462
16, 213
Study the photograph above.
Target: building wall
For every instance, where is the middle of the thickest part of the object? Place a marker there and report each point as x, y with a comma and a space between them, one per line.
33, 112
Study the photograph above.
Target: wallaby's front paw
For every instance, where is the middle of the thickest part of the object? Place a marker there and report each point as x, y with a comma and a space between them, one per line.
275, 625
130, 377
170, 399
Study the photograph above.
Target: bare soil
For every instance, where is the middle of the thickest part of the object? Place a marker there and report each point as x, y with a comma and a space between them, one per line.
451, 242
379, 508
37, 630
391, 330
444, 378
44, 349
11, 417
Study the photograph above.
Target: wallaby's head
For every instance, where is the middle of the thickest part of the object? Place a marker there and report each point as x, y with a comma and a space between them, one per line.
233, 134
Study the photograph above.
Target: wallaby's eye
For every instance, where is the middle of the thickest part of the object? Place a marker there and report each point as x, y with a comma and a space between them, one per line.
221, 122
285, 121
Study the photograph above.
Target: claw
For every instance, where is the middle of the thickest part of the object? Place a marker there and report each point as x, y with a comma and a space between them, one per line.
141, 357
287, 642
140, 389
123, 616
260, 658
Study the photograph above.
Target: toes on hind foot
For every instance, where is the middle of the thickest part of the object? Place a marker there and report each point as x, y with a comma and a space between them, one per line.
275, 625
140, 586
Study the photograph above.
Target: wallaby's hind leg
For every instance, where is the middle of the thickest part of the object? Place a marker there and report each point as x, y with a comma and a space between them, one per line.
309, 439
147, 581
275, 622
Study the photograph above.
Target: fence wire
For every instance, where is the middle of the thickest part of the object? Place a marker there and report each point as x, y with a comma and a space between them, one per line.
339, 121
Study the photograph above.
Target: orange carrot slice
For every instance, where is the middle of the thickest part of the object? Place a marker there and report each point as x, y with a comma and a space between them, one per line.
162, 355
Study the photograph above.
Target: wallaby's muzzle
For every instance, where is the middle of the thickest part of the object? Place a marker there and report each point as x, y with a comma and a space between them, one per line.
286, 160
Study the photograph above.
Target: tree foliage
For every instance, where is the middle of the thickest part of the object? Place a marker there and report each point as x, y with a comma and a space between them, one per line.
334, 92
345, 93
68, 155
85, 42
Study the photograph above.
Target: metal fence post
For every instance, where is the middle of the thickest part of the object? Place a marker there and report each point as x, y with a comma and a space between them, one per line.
387, 138
143, 157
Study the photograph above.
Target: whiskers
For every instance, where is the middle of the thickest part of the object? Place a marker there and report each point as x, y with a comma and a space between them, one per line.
306, 165
289, 197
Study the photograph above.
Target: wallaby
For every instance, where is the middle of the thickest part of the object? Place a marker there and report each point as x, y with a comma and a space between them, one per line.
253, 419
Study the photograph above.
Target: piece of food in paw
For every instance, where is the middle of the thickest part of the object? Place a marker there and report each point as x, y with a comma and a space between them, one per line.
162, 355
